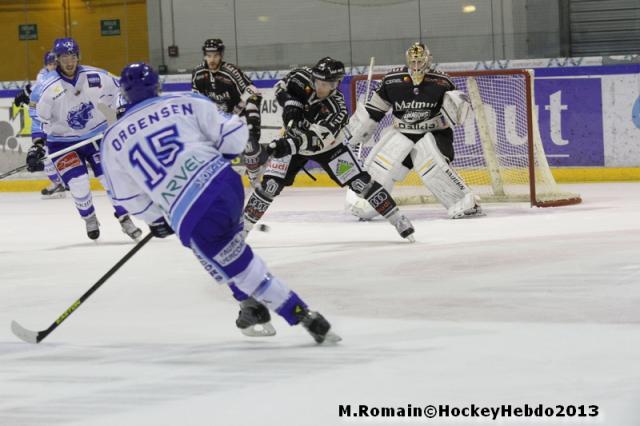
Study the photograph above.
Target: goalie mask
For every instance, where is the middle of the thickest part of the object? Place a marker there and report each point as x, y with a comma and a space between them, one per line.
418, 61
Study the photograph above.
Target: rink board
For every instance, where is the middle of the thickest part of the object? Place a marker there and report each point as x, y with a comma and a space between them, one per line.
589, 119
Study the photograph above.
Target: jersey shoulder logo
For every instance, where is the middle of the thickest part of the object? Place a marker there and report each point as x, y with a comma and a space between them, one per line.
93, 80
78, 117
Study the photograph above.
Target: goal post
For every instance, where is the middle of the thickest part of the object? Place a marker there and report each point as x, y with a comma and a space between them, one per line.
499, 153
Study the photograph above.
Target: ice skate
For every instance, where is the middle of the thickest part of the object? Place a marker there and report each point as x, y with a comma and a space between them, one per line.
317, 326
129, 228
254, 319
403, 226
93, 226
469, 206
53, 191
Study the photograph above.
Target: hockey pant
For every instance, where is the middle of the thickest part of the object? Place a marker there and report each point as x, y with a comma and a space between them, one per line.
72, 168
217, 242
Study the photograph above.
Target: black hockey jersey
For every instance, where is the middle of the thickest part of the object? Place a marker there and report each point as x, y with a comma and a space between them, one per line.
415, 109
227, 86
329, 113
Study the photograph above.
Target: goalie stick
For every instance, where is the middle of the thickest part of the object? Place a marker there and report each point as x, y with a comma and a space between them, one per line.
35, 337
366, 99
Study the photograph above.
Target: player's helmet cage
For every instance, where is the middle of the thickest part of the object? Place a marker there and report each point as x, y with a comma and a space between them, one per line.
66, 46
328, 69
138, 81
418, 61
49, 58
213, 45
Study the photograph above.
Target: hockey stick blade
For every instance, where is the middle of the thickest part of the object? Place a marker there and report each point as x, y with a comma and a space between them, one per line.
24, 334
36, 337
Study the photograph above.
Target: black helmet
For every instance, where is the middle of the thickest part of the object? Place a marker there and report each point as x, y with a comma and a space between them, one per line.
328, 69
213, 45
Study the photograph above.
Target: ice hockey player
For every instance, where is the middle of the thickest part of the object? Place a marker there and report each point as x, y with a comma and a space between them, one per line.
425, 107
315, 115
168, 160
56, 189
22, 98
66, 103
226, 85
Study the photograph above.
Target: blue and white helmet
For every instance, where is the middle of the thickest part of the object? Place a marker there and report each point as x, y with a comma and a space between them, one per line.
49, 58
66, 45
138, 81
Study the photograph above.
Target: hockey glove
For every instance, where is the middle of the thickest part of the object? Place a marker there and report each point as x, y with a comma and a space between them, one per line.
284, 146
22, 98
160, 228
120, 111
310, 141
35, 155
292, 111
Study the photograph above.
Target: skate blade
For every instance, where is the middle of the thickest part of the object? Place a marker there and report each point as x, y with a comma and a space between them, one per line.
56, 196
331, 337
410, 238
259, 330
135, 236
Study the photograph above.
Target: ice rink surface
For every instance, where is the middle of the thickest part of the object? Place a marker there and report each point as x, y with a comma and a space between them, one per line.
524, 305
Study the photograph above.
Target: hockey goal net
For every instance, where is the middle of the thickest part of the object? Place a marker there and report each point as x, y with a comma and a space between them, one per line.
499, 153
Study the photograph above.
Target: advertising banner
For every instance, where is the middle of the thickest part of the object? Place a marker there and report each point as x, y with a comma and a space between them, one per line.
588, 116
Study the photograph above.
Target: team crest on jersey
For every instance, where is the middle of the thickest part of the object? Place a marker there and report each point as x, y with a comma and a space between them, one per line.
79, 116
93, 80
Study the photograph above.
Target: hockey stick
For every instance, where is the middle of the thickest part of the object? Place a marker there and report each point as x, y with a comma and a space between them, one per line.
38, 336
56, 154
366, 99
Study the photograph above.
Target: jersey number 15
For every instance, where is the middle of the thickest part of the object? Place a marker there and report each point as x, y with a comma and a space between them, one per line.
165, 147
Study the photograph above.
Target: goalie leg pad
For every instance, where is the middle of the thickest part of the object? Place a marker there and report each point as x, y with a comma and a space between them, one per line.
436, 174
385, 165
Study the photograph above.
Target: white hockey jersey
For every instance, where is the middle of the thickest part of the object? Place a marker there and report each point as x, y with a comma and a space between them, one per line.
37, 131
162, 157
67, 108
